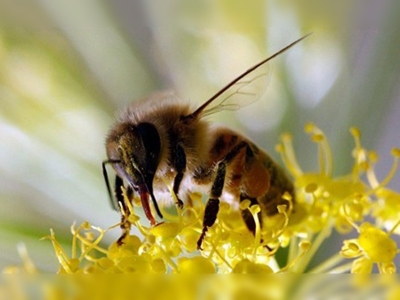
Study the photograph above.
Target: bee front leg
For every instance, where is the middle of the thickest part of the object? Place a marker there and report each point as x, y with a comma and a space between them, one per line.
180, 167
125, 224
212, 206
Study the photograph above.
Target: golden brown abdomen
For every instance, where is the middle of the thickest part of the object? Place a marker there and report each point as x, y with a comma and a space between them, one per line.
251, 174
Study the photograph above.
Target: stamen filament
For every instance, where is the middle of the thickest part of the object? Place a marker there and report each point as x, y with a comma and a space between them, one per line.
342, 268
289, 157
322, 235
327, 264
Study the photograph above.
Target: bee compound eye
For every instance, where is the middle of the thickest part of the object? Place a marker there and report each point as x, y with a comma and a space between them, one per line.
151, 143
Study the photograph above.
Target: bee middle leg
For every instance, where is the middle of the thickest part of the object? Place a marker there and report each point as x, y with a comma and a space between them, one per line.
212, 206
248, 218
180, 167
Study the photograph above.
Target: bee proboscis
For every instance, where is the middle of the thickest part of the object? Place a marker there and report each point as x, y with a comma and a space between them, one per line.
160, 141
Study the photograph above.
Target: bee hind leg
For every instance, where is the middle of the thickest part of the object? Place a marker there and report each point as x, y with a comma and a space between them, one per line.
210, 215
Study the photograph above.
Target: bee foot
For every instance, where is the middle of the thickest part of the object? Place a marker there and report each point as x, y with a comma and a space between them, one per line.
179, 203
120, 241
157, 224
201, 238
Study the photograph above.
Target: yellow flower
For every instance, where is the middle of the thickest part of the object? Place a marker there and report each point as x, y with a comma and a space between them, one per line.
373, 246
323, 203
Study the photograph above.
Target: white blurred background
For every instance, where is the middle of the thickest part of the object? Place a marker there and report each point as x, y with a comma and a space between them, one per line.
67, 66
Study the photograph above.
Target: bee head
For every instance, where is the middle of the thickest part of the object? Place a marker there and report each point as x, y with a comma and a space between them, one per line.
137, 149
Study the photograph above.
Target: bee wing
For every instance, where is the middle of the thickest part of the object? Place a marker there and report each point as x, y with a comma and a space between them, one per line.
240, 90
242, 93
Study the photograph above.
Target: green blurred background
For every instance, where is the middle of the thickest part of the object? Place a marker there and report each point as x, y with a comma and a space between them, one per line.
67, 66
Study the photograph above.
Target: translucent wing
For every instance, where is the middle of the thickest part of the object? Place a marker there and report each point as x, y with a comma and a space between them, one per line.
243, 90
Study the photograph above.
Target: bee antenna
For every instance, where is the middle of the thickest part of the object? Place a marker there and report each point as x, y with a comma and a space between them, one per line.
105, 175
198, 111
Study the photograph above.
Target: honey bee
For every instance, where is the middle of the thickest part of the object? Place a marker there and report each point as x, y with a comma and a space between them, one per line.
159, 141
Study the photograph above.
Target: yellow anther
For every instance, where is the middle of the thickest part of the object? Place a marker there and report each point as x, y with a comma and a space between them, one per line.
317, 137
396, 152
310, 127
311, 188
355, 132
244, 204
